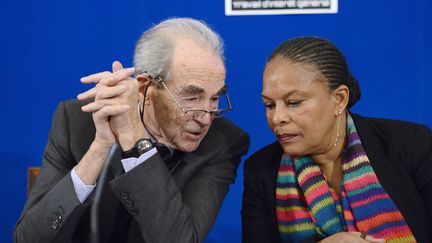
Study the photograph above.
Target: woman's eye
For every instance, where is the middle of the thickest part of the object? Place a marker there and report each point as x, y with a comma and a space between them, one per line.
269, 105
294, 103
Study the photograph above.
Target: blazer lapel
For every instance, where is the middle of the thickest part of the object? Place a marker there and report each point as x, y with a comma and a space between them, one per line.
275, 162
394, 179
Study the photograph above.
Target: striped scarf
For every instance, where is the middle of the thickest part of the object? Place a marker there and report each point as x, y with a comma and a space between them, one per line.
306, 204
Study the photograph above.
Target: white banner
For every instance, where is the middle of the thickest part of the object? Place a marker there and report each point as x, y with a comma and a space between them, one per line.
271, 7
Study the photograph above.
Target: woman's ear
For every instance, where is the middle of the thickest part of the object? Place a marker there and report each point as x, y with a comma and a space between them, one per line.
341, 98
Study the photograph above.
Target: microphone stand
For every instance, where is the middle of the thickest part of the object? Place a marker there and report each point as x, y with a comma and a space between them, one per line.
94, 210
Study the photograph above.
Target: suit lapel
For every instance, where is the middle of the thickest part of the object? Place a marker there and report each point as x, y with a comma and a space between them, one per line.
185, 168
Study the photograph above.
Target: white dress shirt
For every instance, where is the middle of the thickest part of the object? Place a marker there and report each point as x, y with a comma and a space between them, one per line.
83, 191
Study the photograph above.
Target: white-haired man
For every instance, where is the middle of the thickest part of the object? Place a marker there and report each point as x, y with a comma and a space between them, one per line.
177, 162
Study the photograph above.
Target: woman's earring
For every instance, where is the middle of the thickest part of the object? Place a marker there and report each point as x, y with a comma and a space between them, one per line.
337, 129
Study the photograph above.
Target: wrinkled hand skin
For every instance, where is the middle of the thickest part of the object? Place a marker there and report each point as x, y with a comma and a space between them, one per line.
115, 104
115, 116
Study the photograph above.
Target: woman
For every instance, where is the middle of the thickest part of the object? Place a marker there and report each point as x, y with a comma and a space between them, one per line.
333, 176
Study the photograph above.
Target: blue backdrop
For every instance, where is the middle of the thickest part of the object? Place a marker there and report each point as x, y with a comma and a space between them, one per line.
47, 45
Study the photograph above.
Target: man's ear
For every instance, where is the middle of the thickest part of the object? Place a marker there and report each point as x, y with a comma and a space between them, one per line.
341, 98
144, 83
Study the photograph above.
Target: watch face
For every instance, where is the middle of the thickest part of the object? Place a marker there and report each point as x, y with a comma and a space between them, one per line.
144, 145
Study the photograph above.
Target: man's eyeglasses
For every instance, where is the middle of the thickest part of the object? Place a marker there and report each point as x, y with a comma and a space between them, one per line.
218, 104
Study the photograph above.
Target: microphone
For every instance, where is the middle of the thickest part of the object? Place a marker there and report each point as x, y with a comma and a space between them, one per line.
94, 210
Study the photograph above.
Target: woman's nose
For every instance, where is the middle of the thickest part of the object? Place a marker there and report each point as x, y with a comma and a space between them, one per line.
280, 115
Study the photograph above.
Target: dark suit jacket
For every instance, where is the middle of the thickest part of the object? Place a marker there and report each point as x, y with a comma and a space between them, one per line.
165, 207
400, 154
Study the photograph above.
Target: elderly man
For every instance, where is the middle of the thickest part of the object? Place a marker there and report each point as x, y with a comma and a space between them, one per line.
177, 159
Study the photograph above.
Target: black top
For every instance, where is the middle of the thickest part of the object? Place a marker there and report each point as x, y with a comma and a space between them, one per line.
400, 154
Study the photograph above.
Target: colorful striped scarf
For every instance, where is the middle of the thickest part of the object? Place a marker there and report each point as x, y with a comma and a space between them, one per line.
306, 204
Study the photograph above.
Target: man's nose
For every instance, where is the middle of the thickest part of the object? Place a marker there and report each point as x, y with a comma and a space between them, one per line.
204, 117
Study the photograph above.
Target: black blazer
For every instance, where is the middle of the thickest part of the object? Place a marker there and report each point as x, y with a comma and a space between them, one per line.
400, 154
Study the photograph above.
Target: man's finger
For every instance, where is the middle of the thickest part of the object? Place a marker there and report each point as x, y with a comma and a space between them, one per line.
91, 93
117, 76
114, 110
116, 66
92, 107
94, 78
106, 92
98, 104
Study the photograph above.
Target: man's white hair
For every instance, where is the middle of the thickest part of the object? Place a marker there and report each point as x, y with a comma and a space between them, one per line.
154, 50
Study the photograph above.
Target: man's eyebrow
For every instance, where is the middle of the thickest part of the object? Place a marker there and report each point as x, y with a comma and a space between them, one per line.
192, 89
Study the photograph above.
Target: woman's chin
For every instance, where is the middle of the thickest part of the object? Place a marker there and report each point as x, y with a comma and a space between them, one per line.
293, 150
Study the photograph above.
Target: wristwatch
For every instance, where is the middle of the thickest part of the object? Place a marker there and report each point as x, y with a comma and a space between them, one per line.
141, 146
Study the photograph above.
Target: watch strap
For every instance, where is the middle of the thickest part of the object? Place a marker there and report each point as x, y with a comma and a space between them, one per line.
141, 146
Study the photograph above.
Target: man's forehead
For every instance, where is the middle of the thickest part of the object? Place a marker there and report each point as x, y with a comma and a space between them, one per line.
209, 64
187, 53
197, 78
196, 68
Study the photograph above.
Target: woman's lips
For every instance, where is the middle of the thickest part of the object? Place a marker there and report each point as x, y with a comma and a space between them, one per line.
286, 137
